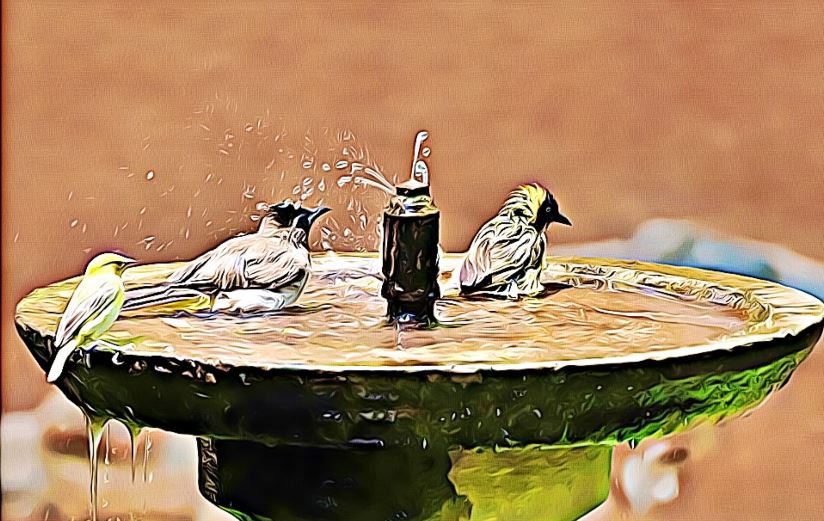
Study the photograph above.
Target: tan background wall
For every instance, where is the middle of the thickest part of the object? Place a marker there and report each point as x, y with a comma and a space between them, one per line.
710, 111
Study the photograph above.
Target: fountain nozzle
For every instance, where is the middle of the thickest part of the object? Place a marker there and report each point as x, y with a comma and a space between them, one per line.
410, 245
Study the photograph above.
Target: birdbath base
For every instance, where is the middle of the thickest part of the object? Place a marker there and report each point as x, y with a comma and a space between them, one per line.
253, 481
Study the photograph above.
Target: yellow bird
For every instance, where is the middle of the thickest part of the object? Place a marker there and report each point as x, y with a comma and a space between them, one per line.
92, 308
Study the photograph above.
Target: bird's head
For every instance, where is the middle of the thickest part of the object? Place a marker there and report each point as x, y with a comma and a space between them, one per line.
277, 217
109, 261
305, 217
534, 203
283, 212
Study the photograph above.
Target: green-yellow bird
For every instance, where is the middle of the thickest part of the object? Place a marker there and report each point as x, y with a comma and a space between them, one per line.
507, 254
92, 308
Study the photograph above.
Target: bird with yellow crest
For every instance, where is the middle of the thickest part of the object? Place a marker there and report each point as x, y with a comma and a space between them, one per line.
507, 254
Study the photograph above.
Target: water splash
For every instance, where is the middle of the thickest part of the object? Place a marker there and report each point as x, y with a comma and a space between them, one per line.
364, 175
248, 157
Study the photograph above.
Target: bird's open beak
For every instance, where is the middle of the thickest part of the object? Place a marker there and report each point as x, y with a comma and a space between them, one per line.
317, 212
560, 218
283, 205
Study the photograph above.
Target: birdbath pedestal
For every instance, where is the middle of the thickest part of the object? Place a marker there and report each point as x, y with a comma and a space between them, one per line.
506, 409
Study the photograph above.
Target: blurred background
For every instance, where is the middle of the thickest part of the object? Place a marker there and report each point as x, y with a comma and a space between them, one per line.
156, 128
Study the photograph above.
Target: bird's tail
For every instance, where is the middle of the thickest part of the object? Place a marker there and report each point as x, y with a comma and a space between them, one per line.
166, 299
59, 361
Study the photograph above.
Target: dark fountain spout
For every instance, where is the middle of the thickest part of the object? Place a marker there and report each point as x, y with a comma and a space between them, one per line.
410, 245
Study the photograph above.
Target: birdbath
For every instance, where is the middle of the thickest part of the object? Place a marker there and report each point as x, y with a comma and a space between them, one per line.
324, 411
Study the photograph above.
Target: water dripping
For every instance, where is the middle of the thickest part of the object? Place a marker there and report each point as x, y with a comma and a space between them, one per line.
147, 447
94, 432
134, 439
106, 451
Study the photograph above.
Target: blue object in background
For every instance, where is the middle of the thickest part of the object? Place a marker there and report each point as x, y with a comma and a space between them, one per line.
682, 243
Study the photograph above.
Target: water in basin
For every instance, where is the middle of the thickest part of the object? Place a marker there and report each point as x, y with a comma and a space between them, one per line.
340, 321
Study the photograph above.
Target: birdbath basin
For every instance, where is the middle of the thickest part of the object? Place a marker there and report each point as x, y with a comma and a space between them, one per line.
506, 409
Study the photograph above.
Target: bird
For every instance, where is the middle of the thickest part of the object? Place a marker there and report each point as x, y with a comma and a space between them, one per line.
91, 310
259, 272
506, 256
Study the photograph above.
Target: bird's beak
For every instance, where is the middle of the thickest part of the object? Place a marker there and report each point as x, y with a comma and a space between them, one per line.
317, 212
128, 261
561, 218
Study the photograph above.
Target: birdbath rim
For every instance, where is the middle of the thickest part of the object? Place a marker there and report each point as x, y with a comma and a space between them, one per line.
770, 311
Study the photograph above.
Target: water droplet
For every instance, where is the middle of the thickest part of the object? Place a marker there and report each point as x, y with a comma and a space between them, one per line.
261, 206
326, 167
254, 218
340, 165
426, 151
73, 223
150, 175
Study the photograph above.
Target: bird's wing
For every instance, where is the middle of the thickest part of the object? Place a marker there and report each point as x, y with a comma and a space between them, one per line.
276, 263
188, 272
498, 252
92, 297
221, 267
